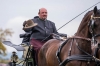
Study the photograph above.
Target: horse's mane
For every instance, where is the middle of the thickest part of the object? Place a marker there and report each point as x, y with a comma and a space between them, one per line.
84, 23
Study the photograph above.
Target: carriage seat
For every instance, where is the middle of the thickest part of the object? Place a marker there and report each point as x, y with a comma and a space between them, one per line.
24, 44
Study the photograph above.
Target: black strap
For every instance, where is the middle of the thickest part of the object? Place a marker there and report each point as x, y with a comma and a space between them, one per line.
78, 58
95, 52
59, 50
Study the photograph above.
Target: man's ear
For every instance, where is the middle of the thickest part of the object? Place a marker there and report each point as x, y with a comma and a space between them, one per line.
38, 13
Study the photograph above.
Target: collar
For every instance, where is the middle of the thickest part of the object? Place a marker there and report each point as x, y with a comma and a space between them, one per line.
43, 20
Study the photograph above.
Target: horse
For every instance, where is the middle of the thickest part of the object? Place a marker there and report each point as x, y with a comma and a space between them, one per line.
2, 49
76, 50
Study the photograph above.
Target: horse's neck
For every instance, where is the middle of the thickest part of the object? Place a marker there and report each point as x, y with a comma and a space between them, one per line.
83, 32
84, 44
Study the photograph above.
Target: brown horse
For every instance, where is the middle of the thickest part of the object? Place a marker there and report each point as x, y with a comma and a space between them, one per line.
76, 50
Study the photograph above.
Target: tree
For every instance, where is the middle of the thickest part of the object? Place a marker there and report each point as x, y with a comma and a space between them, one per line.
3, 37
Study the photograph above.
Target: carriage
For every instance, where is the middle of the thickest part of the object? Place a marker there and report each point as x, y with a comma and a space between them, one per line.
82, 49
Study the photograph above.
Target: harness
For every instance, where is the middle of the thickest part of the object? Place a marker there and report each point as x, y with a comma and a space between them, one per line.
88, 57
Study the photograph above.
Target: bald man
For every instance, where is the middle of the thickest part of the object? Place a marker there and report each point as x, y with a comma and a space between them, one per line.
43, 29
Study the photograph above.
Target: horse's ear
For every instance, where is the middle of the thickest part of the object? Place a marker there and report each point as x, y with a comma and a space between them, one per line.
95, 9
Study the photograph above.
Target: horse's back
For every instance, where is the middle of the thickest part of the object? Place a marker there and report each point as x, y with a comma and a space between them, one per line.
47, 54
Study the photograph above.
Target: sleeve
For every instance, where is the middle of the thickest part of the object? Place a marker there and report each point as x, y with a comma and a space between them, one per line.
54, 29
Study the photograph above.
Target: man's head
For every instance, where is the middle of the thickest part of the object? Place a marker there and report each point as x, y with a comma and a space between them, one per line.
42, 13
13, 52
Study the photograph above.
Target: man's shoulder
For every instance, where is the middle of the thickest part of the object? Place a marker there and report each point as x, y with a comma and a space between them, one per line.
36, 17
50, 21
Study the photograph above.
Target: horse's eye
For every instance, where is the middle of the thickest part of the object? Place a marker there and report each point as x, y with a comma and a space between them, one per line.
96, 23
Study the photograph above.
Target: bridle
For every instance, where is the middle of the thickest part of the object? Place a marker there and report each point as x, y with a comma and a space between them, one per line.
91, 26
88, 57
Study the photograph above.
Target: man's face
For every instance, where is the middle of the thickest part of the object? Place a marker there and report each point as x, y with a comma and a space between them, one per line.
43, 14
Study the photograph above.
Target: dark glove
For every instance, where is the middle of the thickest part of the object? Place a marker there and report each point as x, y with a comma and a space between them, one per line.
63, 35
27, 34
53, 35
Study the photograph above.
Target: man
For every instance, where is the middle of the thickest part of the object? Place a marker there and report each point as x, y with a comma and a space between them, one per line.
14, 58
41, 31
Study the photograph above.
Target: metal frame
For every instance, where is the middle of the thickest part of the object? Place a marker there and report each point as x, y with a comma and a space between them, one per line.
28, 55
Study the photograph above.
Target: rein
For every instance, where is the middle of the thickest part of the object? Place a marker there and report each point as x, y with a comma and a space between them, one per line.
89, 58
92, 17
71, 20
77, 16
78, 37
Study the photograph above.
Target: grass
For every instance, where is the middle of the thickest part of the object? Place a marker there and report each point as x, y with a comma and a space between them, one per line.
4, 61
7, 61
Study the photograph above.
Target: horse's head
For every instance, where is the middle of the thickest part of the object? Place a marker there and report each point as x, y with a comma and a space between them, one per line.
90, 25
94, 25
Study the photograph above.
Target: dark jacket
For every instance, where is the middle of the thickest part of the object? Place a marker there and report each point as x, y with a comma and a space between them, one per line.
40, 32
43, 29
26, 36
